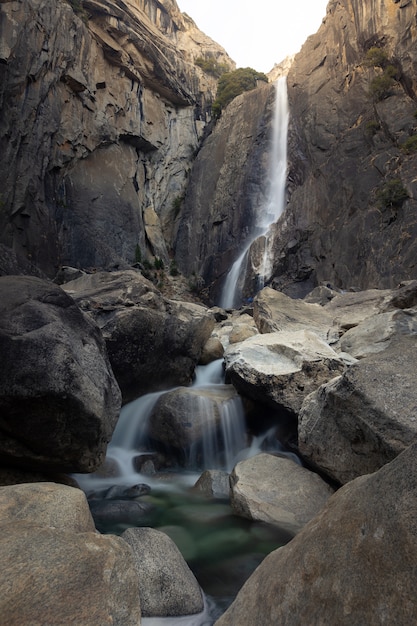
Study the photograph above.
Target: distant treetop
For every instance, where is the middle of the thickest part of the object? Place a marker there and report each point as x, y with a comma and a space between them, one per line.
232, 84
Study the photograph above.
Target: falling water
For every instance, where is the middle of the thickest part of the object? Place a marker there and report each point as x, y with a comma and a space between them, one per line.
270, 211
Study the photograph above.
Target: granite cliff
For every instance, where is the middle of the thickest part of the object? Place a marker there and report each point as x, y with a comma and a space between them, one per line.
103, 108
351, 198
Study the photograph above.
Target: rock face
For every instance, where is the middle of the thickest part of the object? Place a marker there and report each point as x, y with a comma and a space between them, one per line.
225, 188
358, 422
102, 110
349, 148
347, 144
278, 491
352, 564
58, 396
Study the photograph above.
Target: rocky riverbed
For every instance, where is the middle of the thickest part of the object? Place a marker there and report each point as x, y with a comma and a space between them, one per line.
333, 373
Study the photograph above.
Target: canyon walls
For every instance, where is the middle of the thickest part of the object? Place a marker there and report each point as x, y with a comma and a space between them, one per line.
103, 108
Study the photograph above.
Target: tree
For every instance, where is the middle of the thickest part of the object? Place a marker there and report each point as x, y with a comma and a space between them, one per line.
234, 83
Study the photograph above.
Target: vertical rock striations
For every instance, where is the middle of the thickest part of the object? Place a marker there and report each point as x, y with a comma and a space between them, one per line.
102, 108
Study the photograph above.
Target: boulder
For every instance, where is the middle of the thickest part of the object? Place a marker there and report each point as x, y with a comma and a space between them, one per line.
281, 368
57, 506
108, 514
166, 585
153, 343
55, 576
277, 490
274, 311
59, 399
354, 563
351, 308
212, 350
363, 419
376, 333
214, 484
199, 422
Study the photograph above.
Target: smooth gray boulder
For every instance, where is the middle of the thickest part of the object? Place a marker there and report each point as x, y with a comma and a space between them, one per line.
59, 399
281, 368
358, 422
277, 490
375, 333
166, 586
274, 311
354, 563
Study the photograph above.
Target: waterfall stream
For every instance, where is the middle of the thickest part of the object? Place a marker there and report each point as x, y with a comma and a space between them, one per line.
268, 213
221, 549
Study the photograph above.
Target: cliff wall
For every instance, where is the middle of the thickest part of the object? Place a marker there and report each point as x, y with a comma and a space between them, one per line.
102, 109
351, 216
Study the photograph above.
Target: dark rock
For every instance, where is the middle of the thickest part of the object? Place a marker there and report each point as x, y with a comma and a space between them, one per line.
59, 399
167, 586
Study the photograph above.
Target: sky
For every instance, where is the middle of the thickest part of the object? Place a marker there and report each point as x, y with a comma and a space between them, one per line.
257, 33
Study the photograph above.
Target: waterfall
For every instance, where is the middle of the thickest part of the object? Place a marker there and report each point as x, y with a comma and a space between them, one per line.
269, 212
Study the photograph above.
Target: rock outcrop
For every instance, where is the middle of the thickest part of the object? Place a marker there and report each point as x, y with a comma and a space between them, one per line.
102, 110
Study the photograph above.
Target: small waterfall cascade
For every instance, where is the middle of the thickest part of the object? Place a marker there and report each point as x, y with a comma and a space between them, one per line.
269, 212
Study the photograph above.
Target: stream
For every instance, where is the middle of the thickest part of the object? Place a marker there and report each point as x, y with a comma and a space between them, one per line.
220, 548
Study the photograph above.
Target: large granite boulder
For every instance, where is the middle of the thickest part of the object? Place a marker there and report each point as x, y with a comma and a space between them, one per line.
58, 506
363, 419
153, 343
277, 490
274, 311
376, 333
166, 585
59, 399
354, 563
281, 368
56, 569
53, 576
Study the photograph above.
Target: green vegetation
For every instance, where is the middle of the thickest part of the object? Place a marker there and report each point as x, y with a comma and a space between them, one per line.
79, 9
234, 83
381, 84
410, 145
173, 269
177, 204
158, 264
392, 194
372, 127
376, 57
212, 67
138, 254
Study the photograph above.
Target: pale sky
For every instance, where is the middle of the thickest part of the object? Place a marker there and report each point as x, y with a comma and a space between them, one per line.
257, 33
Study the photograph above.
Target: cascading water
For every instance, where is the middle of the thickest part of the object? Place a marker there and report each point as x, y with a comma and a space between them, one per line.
269, 212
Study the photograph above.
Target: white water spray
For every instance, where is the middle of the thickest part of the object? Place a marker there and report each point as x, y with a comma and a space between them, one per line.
270, 211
